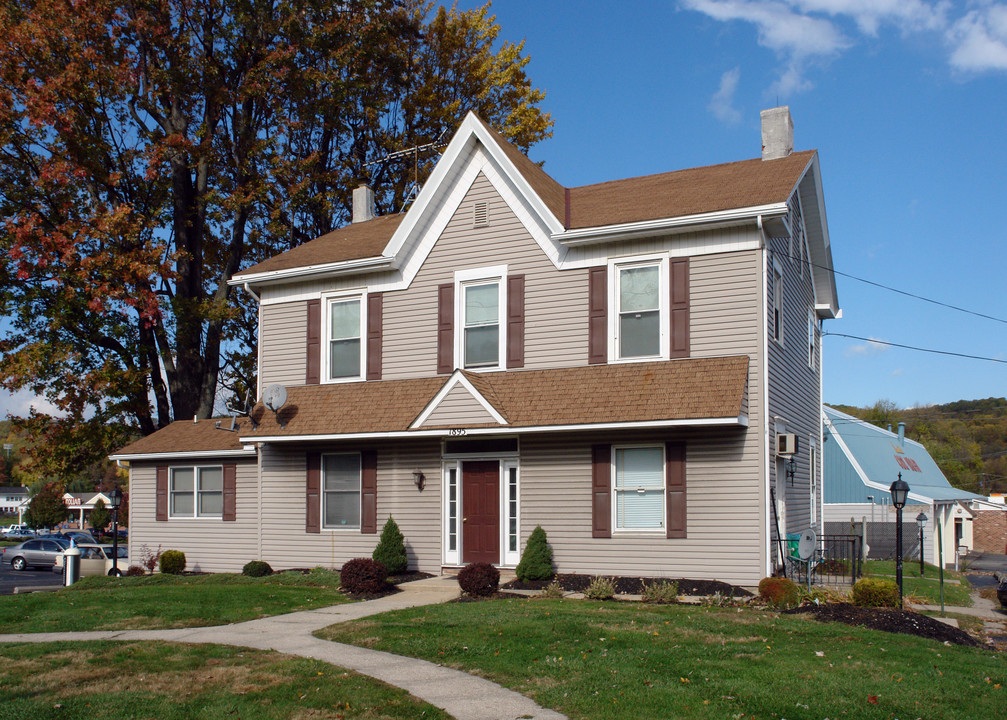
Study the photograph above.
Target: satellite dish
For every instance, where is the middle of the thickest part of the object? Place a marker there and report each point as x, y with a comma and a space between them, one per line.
274, 397
808, 543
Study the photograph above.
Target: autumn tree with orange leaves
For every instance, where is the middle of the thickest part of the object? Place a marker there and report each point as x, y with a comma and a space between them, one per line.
153, 148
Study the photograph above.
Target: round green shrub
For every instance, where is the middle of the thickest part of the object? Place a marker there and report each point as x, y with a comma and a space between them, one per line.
779, 592
876, 592
536, 560
172, 562
479, 579
257, 568
391, 549
363, 576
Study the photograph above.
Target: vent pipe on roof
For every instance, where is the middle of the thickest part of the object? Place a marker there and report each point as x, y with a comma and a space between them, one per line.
902, 433
363, 203
777, 133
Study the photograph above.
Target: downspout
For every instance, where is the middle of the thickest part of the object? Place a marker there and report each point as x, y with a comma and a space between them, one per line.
258, 446
764, 351
258, 351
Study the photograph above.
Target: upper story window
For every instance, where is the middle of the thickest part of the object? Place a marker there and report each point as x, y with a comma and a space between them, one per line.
344, 357
777, 303
341, 491
637, 325
480, 341
196, 492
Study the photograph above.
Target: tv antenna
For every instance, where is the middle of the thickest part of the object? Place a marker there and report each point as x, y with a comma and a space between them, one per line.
414, 188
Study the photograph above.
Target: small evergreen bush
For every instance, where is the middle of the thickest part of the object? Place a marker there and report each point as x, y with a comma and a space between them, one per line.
600, 588
172, 562
135, 570
536, 560
876, 592
660, 591
779, 592
257, 568
479, 579
364, 576
391, 549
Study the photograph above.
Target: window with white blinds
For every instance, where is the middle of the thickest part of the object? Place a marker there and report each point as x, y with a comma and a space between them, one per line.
639, 490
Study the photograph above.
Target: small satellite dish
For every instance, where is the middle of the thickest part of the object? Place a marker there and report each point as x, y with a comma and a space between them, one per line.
808, 543
274, 397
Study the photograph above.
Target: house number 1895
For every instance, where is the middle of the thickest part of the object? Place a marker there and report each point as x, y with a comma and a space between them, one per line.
456, 432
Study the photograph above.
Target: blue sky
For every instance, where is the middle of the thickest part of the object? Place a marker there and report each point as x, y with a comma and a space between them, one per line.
906, 101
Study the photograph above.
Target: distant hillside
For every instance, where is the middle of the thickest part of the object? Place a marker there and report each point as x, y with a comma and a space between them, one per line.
967, 438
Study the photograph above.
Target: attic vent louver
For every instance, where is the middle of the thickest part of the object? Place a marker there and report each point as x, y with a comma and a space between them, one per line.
481, 214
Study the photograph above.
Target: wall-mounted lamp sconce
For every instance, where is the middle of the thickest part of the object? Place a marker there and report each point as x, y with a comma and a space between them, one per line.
791, 469
419, 479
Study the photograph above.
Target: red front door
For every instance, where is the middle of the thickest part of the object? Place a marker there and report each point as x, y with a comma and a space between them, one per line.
481, 512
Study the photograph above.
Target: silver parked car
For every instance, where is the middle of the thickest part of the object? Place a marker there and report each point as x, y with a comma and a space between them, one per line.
97, 560
38, 552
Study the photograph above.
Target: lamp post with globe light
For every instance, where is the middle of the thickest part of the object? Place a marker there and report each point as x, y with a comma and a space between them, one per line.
115, 500
921, 521
899, 491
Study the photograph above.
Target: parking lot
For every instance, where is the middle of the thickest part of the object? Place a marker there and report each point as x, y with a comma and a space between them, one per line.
10, 579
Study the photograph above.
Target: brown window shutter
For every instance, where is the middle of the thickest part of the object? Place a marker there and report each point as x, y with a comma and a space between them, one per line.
597, 323
674, 463
601, 491
229, 493
680, 307
161, 493
313, 359
375, 306
445, 328
515, 321
368, 491
312, 505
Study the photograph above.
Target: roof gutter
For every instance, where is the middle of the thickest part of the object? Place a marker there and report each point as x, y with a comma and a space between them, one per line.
309, 271
722, 218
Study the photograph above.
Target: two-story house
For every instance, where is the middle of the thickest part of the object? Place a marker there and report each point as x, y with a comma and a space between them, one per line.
612, 362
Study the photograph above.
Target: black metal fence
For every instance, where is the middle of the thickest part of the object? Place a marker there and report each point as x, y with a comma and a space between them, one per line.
835, 562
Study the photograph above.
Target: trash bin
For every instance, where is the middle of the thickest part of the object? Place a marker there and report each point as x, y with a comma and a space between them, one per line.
71, 565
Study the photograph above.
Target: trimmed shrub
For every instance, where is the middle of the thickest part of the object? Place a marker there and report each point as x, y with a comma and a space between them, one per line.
363, 576
536, 560
172, 562
257, 568
391, 549
135, 570
876, 592
600, 588
779, 592
552, 591
660, 591
479, 579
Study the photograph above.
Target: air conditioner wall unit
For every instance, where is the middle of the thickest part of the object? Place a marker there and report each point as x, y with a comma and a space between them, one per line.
786, 444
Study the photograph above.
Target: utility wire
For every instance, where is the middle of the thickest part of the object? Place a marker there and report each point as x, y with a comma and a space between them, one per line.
911, 347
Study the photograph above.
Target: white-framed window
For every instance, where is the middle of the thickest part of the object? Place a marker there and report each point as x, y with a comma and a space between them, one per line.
813, 480
345, 349
638, 487
341, 491
812, 325
638, 297
777, 302
196, 492
481, 307
511, 516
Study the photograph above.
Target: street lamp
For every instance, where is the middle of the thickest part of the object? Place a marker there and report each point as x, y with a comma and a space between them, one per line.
115, 500
899, 490
921, 520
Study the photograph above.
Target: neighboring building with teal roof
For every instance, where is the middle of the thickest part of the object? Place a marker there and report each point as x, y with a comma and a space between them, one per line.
861, 461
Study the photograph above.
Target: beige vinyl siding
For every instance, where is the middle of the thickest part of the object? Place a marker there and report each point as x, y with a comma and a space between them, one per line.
285, 542
555, 302
724, 506
459, 408
794, 387
282, 344
209, 544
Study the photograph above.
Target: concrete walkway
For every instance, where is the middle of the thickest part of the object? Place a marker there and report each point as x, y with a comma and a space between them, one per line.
464, 696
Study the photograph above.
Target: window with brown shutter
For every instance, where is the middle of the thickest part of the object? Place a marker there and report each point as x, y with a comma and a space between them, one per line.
312, 505
679, 307
368, 492
445, 328
374, 311
313, 350
229, 493
597, 323
515, 321
161, 494
674, 458
601, 491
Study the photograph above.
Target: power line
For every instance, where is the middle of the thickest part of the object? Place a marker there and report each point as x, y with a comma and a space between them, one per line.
919, 349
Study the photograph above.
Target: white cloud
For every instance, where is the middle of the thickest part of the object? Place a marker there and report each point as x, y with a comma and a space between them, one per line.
872, 347
896, 372
869, 15
21, 402
979, 40
722, 103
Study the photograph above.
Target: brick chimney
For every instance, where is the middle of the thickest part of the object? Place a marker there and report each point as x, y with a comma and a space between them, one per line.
777, 133
363, 203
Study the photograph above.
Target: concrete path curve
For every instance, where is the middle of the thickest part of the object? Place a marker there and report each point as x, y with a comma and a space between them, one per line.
464, 696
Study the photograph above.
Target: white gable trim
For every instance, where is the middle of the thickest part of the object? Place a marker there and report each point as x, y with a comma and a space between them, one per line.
249, 451
456, 379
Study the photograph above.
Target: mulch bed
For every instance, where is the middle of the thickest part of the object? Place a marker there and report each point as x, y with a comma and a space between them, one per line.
893, 621
632, 585
391, 585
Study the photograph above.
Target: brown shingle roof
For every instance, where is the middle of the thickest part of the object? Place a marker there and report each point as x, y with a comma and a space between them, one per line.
187, 436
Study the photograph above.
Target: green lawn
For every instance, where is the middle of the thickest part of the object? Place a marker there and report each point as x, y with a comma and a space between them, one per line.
113, 681
167, 601
926, 589
609, 661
